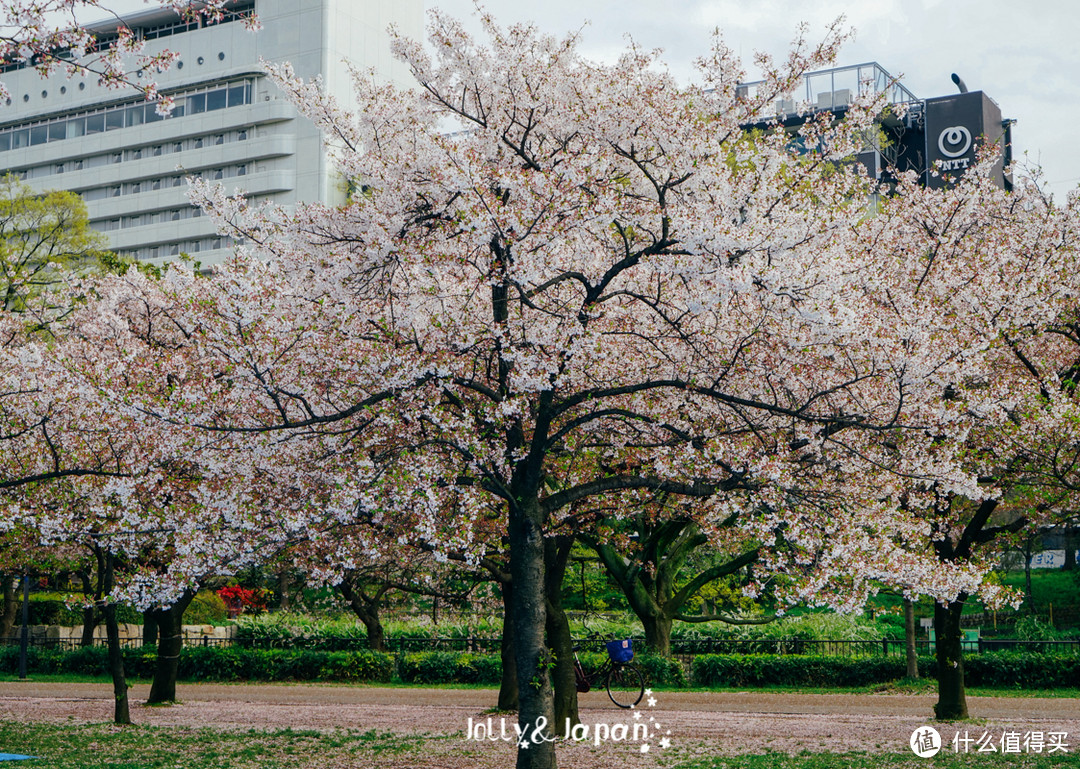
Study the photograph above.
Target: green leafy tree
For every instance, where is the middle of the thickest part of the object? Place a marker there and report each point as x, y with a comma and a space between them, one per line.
42, 237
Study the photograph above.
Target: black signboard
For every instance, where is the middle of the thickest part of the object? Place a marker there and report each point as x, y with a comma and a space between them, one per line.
956, 127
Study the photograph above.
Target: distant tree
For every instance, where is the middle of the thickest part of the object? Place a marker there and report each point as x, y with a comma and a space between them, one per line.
43, 237
662, 569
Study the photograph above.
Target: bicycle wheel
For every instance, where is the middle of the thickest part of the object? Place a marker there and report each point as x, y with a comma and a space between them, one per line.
625, 685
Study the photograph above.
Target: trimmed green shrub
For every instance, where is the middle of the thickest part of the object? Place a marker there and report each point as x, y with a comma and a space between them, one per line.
298, 631
238, 664
795, 670
661, 671
199, 663
206, 608
1022, 670
449, 667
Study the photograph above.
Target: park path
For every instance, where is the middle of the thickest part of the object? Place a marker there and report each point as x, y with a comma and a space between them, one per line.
899, 705
710, 723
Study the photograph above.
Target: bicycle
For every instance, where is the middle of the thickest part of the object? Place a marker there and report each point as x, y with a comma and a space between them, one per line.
623, 680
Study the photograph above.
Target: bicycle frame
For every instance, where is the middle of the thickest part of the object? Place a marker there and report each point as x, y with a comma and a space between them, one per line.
624, 682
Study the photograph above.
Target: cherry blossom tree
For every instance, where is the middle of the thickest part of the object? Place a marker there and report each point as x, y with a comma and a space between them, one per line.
562, 287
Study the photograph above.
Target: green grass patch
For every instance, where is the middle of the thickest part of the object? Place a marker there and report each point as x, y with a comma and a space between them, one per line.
102, 746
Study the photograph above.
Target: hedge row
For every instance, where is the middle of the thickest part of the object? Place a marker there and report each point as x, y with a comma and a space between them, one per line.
240, 664
214, 663
1021, 670
796, 670
459, 667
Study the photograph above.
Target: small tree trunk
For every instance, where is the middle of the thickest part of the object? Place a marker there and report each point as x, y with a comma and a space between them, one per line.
1070, 549
657, 633
283, 590
952, 701
121, 714
909, 639
91, 616
170, 623
1029, 594
536, 713
11, 606
557, 627
508, 688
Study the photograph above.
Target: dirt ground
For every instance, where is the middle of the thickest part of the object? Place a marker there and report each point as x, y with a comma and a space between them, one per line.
710, 723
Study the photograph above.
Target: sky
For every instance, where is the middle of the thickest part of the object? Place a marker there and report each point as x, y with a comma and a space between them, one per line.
1025, 56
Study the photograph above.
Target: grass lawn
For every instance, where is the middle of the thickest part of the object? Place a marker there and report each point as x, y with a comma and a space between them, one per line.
100, 746
104, 746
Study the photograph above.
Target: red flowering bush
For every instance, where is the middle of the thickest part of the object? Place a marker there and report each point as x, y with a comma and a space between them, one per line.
241, 599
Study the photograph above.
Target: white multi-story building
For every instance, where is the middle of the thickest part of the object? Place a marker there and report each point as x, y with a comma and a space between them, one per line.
230, 123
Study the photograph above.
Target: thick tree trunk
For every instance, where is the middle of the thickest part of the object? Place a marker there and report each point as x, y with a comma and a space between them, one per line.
170, 623
535, 708
11, 606
150, 627
952, 701
90, 620
657, 633
508, 688
557, 554
367, 611
909, 639
376, 634
1070, 549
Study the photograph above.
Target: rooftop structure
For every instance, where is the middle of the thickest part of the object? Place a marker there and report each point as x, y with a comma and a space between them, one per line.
936, 137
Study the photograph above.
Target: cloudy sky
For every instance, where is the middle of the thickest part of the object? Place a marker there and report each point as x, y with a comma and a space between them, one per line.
1023, 55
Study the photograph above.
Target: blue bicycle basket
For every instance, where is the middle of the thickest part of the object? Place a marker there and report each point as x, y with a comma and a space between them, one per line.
620, 651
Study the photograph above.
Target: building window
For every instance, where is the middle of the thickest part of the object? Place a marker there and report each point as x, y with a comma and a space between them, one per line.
132, 114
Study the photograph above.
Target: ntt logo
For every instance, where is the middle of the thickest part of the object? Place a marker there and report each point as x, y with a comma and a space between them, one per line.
954, 141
